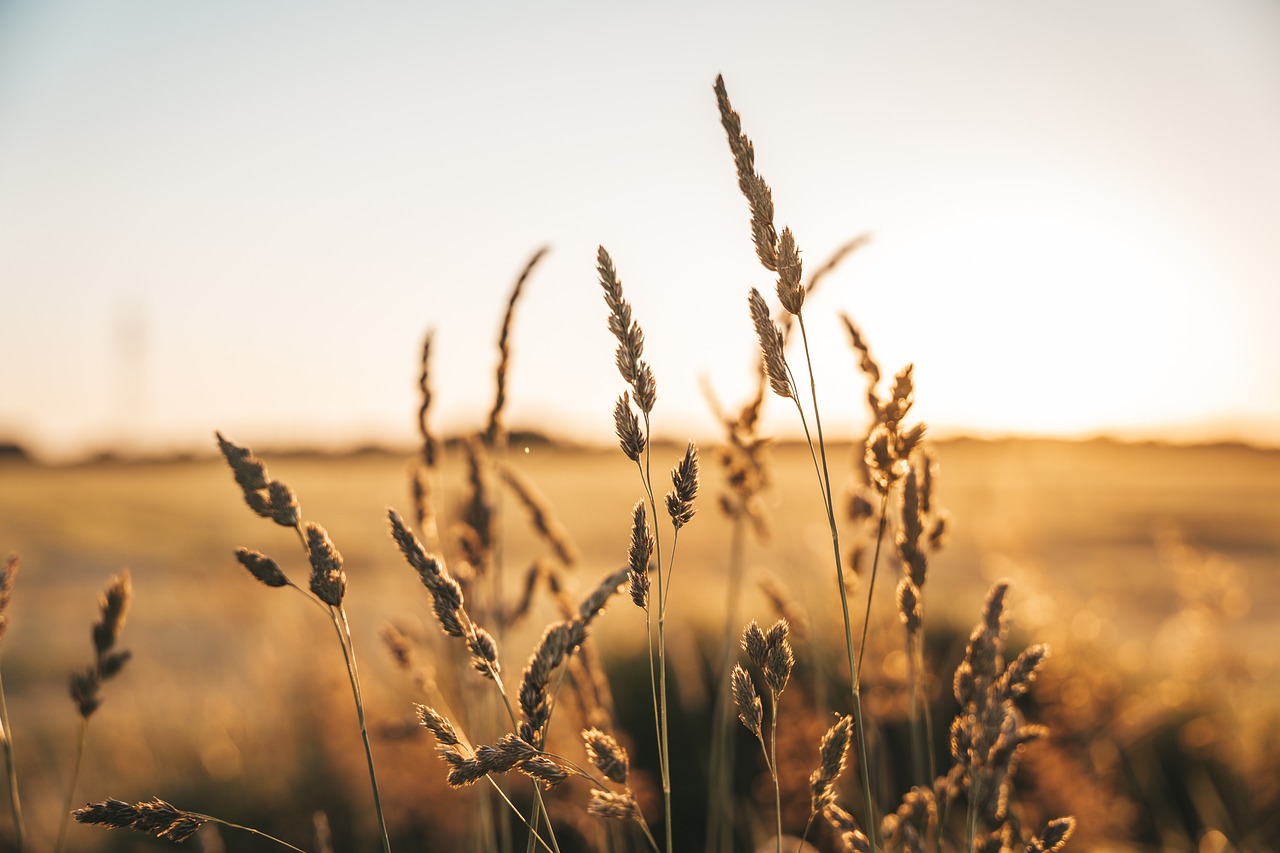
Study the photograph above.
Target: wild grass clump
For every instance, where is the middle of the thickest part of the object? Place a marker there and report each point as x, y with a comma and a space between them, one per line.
521, 739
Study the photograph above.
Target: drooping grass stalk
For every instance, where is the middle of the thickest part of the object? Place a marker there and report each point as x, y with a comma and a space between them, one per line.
86, 684
719, 799
71, 788
783, 382
779, 253
274, 500
329, 585
664, 759
15, 802
160, 819
9, 574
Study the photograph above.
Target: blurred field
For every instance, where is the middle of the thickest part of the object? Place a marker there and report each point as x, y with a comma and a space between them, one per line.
236, 704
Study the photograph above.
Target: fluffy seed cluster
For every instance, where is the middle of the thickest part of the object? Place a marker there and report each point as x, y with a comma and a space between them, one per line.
613, 806
750, 710
684, 482
771, 652
494, 430
446, 598
634, 369
833, 752
638, 555
627, 427
268, 498
113, 606
8, 575
759, 196
989, 733
535, 700
889, 445
506, 754
851, 838
606, 755
771, 350
154, 817
261, 567
1055, 836
914, 823
328, 581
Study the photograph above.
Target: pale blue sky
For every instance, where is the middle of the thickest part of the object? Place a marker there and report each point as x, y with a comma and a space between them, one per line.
244, 215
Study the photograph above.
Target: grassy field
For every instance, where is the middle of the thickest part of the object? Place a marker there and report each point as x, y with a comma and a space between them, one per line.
1150, 569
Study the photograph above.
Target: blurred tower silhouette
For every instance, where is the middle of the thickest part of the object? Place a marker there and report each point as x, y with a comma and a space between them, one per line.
131, 338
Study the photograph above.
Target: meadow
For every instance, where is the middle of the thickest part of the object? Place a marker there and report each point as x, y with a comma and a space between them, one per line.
234, 703
1092, 662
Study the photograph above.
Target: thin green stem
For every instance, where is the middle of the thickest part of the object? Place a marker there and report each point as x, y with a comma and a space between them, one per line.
719, 799
773, 755
71, 789
663, 739
340, 624
644, 827
15, 804
805, 835
824, 482
871, 587
507, 800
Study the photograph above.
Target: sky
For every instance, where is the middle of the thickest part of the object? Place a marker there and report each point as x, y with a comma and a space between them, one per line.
245, 216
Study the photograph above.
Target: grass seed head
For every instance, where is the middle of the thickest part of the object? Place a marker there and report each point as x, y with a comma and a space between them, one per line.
833, 752
283, 504
606, 755
770, 339
114, 607
261, 567
779, 657
8, 575
750, 710
627, 427
155, 817
328, 581
613, 806
437, 724
754, 644
684, 481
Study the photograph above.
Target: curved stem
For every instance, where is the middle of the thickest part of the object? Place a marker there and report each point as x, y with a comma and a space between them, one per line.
719, 801
349, 655
71, 789
824, 482
663, 740
773, 751
15, 804
249, 829
871, 587
805, 835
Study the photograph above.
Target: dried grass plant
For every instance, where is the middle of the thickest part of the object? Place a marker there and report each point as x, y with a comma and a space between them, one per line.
86, 684
274, 500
